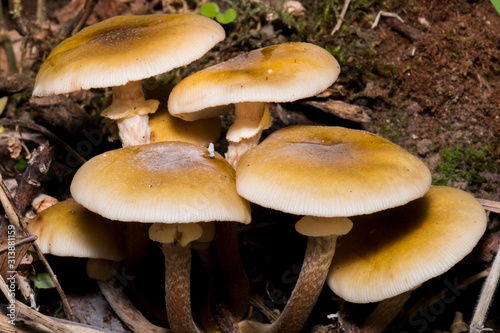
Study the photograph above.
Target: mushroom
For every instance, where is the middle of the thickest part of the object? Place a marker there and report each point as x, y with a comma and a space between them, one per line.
278, 73
325, 173
166, 182
165, 127
67, 229
391, 252
121, 51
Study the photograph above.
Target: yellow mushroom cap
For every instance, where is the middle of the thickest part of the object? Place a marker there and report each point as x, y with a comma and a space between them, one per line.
278, 73
126, 48
68, 229
165, 127
330, 171
169, 182
393, 251
315, 226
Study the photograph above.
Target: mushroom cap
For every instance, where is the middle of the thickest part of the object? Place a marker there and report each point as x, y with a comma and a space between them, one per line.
314, 226
126, 48
165, 127
169, 182
393, 251
67, 229
278, 73
330, 171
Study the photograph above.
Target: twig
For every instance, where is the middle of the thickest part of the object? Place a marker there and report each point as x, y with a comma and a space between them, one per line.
124, 308
32, 314
341, 18
79, 21
492, 206
385, 14
477, 323
15, 11
44, 131
18, 242
41, 11
31, 179
271, 316
398, 24
8, 206
19, 223
15, 83
7, 45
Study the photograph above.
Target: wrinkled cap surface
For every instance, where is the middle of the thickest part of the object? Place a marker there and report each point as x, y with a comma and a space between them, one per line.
170, 182
67, 229
278, 73
126, 48
330, 171
393, 251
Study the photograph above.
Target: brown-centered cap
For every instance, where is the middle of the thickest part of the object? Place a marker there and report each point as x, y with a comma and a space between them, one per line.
393, 251
278, 73
330, 171
67, 229
169, 182
126, 48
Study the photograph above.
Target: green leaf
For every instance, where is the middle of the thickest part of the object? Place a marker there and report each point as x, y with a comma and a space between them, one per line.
209, 9
227, 17
42, 281
21, 165
496, 3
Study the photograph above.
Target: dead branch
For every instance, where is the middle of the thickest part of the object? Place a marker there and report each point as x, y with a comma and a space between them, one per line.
405, 29
31, 179
17, 221
46, 132
32, 314
15, 83
15, 11
341, 18
79, 21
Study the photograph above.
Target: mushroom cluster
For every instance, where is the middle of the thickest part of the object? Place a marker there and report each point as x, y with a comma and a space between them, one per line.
374, 197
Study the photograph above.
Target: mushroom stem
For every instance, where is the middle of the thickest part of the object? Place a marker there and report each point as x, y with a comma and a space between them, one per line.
134, 130
384, 313
178, 288
203, 309
318, 256
251, 119
130, 109
233, 272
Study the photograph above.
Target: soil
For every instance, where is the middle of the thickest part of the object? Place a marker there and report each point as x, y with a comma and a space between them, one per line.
430, 84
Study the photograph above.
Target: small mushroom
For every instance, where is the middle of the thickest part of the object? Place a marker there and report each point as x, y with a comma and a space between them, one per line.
121, 51
172, 183
67, 229
389, 253
396, 250
278, 73
325, 173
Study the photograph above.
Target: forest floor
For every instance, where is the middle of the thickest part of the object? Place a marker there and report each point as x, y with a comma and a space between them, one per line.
429, 82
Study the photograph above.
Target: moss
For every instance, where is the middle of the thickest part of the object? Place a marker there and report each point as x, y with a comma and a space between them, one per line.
459, 163
395, 126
